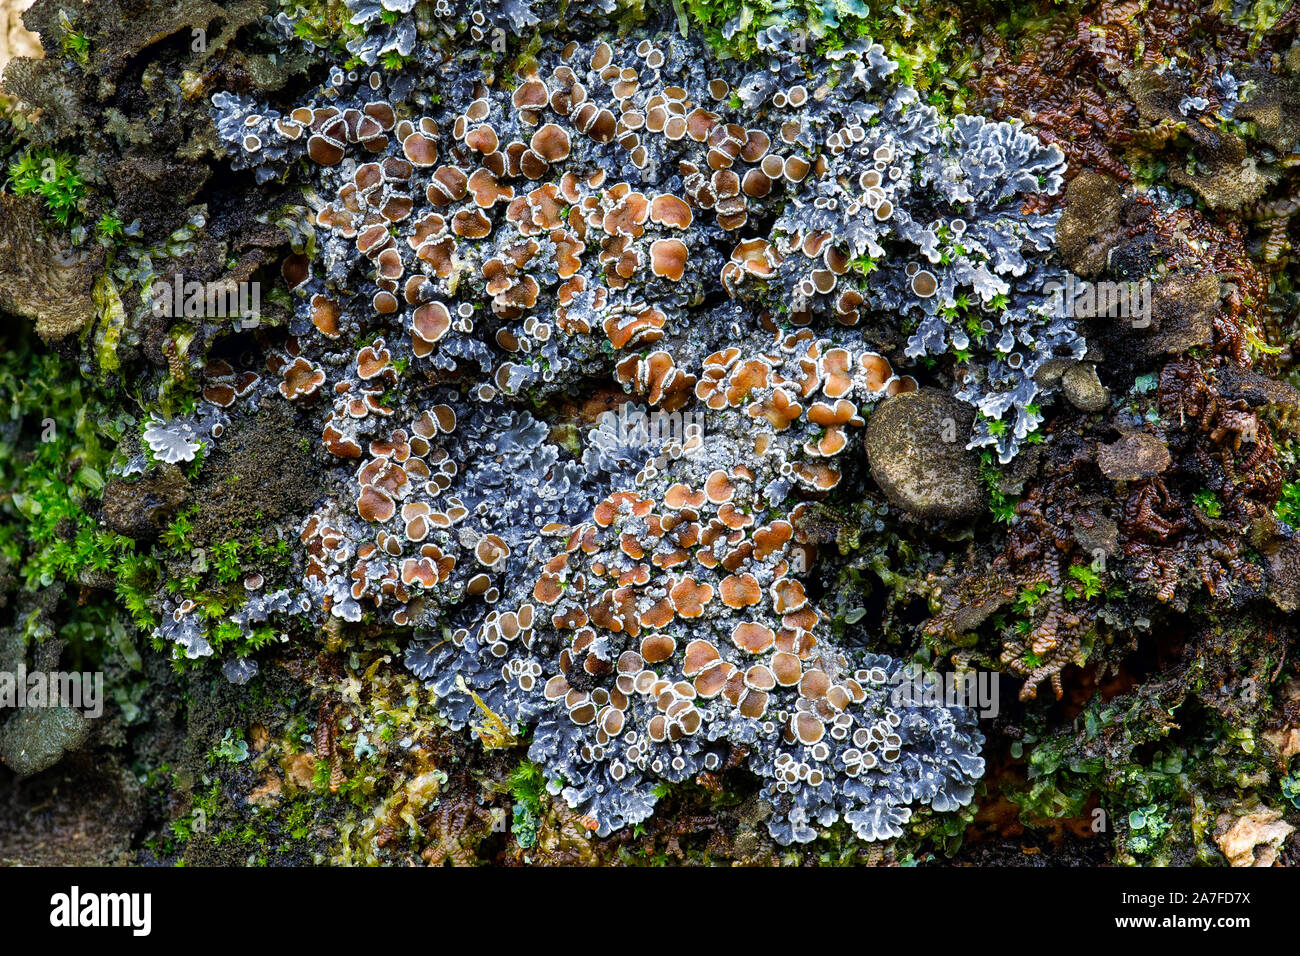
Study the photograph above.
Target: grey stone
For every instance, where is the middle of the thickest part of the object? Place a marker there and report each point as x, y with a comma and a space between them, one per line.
916, 449
1083, 389
35, 739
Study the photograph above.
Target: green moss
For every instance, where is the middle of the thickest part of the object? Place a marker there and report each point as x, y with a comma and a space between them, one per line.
52, 472
1208, 502
1001, 505
1089, 582
325, 23
52, 175
1288, 504
527, 785
109, 226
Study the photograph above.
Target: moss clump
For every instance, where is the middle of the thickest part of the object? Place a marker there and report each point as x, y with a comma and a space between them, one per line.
55, 450
54, 177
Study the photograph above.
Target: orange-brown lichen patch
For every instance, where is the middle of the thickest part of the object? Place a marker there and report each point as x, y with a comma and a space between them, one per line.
737, 520
615, 610
630, 663
786, 668
482, 139
568, 255
832, 418
486, 191
532, 165
630, 546
924, 284
491, 550
644, 327
471, 224
804, 620
876, 371
660, 614
848, 307
548, 589
740, 591
301, 379
778, 408
621, 502
373, 240
836, 373
657, 648
759, 677
222, 395
338, 444
665, 560
709, 388
668, 258
690, 597
788, 595
419, 571
439, 253
600, 124
815, 684
753, 638
439, 419
745, 378
325, 150
515, 295
374, 504
718, 487
384, 474
756, 258
671, 211
713, 678
373, 359
657, 378
536, 211
532, 94
420, 150
429, 323
817, 475
415, 516
395, 447
757, 143
807, 729
325, 314
218, 370
627, 212
754, 704
680, 496
900, 384
621, 259
449, 184
772, 538
699, 656
551, 143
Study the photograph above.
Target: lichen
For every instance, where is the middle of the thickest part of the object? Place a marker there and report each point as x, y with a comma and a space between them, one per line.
641, 397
